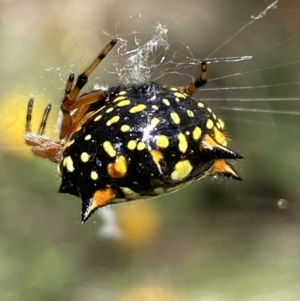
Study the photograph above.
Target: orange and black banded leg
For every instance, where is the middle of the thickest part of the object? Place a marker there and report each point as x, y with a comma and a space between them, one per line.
199, 82
71, 102
41, 145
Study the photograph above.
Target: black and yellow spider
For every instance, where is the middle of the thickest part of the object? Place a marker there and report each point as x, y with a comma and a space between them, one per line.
132, 142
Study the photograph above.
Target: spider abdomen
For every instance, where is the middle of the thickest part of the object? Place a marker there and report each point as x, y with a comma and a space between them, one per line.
145, 141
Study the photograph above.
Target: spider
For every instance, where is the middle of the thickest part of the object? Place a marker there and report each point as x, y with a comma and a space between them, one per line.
131, 141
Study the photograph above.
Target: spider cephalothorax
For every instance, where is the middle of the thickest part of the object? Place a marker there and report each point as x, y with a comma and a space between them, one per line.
132, 142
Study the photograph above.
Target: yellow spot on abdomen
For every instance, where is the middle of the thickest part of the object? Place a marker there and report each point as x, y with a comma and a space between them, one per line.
94, 175
109, 110
209, 124
141, 146
119, 98
125, 128
182, 170
197, 133
122, 93
131, 145
175, 117
179, 95
109, 149
84, 157
200, 105
166, 102
123, 103
190, 113
97, 118
183, 144
137, 108
113, 120
155, 121
68, 162
162, 141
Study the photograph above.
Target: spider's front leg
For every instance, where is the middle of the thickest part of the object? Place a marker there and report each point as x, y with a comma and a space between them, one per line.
42, 146
73, 107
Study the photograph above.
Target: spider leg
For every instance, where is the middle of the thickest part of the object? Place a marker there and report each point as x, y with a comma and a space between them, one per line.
70, 100
69, 84
44, 120
80, 108
199, 82
83, 78
41, 145
29, 115
29, 118
67, 102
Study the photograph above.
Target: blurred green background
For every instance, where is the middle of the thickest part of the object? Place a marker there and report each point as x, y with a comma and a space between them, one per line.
216, 240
